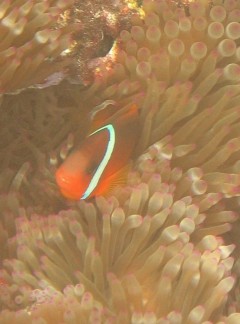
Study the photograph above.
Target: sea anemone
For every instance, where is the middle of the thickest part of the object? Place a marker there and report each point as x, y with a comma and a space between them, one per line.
28, 158
141, 255
31, 41
161, 248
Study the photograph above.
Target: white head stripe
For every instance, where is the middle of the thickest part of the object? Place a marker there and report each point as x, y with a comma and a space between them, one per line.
110, 146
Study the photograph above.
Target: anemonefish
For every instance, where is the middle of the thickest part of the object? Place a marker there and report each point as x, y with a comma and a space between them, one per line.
3, 282
101, 160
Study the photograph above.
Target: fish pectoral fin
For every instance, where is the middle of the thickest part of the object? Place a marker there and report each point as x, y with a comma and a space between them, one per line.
119, 178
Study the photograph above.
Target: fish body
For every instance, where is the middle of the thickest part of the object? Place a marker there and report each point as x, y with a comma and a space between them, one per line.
100, 161
3, 282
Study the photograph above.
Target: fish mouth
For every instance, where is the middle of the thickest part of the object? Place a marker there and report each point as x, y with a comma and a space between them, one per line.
69, 193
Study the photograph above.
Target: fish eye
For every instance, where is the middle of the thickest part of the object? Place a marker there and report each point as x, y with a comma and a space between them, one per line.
91, 169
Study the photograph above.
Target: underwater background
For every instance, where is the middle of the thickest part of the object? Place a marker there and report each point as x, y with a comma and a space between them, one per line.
162, 247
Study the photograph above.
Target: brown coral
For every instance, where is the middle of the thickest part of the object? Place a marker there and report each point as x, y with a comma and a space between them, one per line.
102, 21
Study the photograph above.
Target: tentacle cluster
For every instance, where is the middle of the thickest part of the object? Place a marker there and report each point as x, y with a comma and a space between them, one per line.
154, 252
30, 42
151, 252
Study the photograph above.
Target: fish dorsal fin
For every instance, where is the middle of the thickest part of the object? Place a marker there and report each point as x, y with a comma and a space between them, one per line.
110, 112
128, 110
101, 113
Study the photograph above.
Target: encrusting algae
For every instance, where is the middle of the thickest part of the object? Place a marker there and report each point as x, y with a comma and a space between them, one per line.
162, 248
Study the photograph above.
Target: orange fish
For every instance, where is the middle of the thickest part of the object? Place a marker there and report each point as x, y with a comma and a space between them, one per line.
3, 282
100, 161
